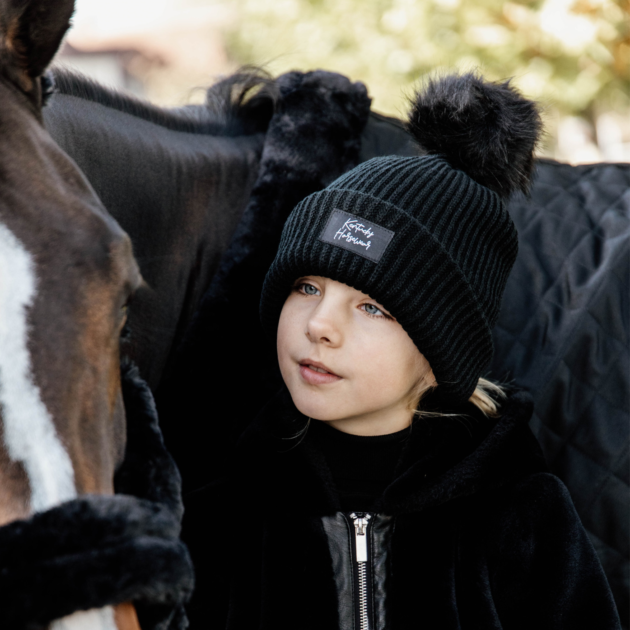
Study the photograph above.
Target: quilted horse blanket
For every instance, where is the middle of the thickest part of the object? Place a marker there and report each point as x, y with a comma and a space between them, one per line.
563, 335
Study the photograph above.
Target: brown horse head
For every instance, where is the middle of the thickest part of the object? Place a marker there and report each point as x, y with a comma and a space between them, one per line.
66, 275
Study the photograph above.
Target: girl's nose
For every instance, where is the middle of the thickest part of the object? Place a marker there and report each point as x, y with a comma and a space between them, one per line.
322, 328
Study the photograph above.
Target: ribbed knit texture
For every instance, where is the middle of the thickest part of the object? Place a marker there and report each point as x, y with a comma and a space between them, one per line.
443, 273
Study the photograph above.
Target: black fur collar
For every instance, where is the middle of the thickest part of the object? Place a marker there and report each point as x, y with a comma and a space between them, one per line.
444, 458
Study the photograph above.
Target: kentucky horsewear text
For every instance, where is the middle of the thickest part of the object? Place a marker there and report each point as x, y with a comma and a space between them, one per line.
356, 235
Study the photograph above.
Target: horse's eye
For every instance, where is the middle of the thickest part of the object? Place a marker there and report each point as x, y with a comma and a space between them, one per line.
47, 82
125, 333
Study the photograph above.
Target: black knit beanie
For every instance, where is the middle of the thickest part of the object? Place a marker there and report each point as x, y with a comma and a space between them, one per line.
428, 237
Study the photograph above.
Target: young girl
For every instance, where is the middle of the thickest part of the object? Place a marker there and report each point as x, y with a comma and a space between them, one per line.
388, 485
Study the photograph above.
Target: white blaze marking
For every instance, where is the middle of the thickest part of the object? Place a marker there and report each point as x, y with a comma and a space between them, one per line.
102, 619
29, 433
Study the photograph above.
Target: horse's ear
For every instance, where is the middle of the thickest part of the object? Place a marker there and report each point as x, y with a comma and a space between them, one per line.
30, 34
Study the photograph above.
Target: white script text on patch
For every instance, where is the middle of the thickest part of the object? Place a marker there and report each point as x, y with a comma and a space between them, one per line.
348, 232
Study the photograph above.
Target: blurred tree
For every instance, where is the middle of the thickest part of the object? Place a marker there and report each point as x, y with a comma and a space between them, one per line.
572, 55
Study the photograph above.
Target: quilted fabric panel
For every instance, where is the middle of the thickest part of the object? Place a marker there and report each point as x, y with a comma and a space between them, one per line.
563, 335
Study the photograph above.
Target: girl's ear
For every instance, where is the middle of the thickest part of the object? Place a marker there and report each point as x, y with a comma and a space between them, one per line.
427, 382
428, 379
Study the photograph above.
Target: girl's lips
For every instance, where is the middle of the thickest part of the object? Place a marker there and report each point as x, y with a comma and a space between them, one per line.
317, 378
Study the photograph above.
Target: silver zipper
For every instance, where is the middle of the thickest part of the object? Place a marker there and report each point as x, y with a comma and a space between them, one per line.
361, 547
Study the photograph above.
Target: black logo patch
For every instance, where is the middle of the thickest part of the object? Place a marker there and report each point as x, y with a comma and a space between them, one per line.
356, 235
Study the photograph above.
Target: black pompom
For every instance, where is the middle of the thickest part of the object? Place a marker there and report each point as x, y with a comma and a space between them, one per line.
488, 130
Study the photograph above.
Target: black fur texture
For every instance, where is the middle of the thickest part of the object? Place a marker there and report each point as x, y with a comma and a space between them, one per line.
148, 470
89, 553
488, 130
99, 550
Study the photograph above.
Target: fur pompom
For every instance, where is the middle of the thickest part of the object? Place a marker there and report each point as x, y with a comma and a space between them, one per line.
488, 130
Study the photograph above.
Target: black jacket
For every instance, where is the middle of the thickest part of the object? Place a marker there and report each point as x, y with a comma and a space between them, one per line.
473, 533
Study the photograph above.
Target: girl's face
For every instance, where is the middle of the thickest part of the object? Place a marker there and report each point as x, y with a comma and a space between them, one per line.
347, 361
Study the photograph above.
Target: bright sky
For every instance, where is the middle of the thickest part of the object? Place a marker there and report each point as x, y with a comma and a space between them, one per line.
105, 17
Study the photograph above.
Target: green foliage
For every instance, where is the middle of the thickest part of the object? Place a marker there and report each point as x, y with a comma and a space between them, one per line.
573, 55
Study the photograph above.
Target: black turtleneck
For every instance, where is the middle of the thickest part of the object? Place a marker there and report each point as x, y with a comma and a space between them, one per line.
361, 466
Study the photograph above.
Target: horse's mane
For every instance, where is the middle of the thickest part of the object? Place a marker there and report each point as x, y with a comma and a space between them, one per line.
240, 104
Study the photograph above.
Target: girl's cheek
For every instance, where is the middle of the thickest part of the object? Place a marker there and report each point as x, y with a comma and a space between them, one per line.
284, 326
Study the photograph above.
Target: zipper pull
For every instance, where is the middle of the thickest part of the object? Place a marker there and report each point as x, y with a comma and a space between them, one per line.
360, 534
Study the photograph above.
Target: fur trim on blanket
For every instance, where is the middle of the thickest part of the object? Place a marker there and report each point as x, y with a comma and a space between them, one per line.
101, 550
89, 553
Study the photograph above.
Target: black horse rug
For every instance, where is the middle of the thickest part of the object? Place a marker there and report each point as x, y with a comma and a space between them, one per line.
563, 335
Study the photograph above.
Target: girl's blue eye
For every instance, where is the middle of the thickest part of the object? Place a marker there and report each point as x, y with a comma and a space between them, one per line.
309, 289
373, 310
